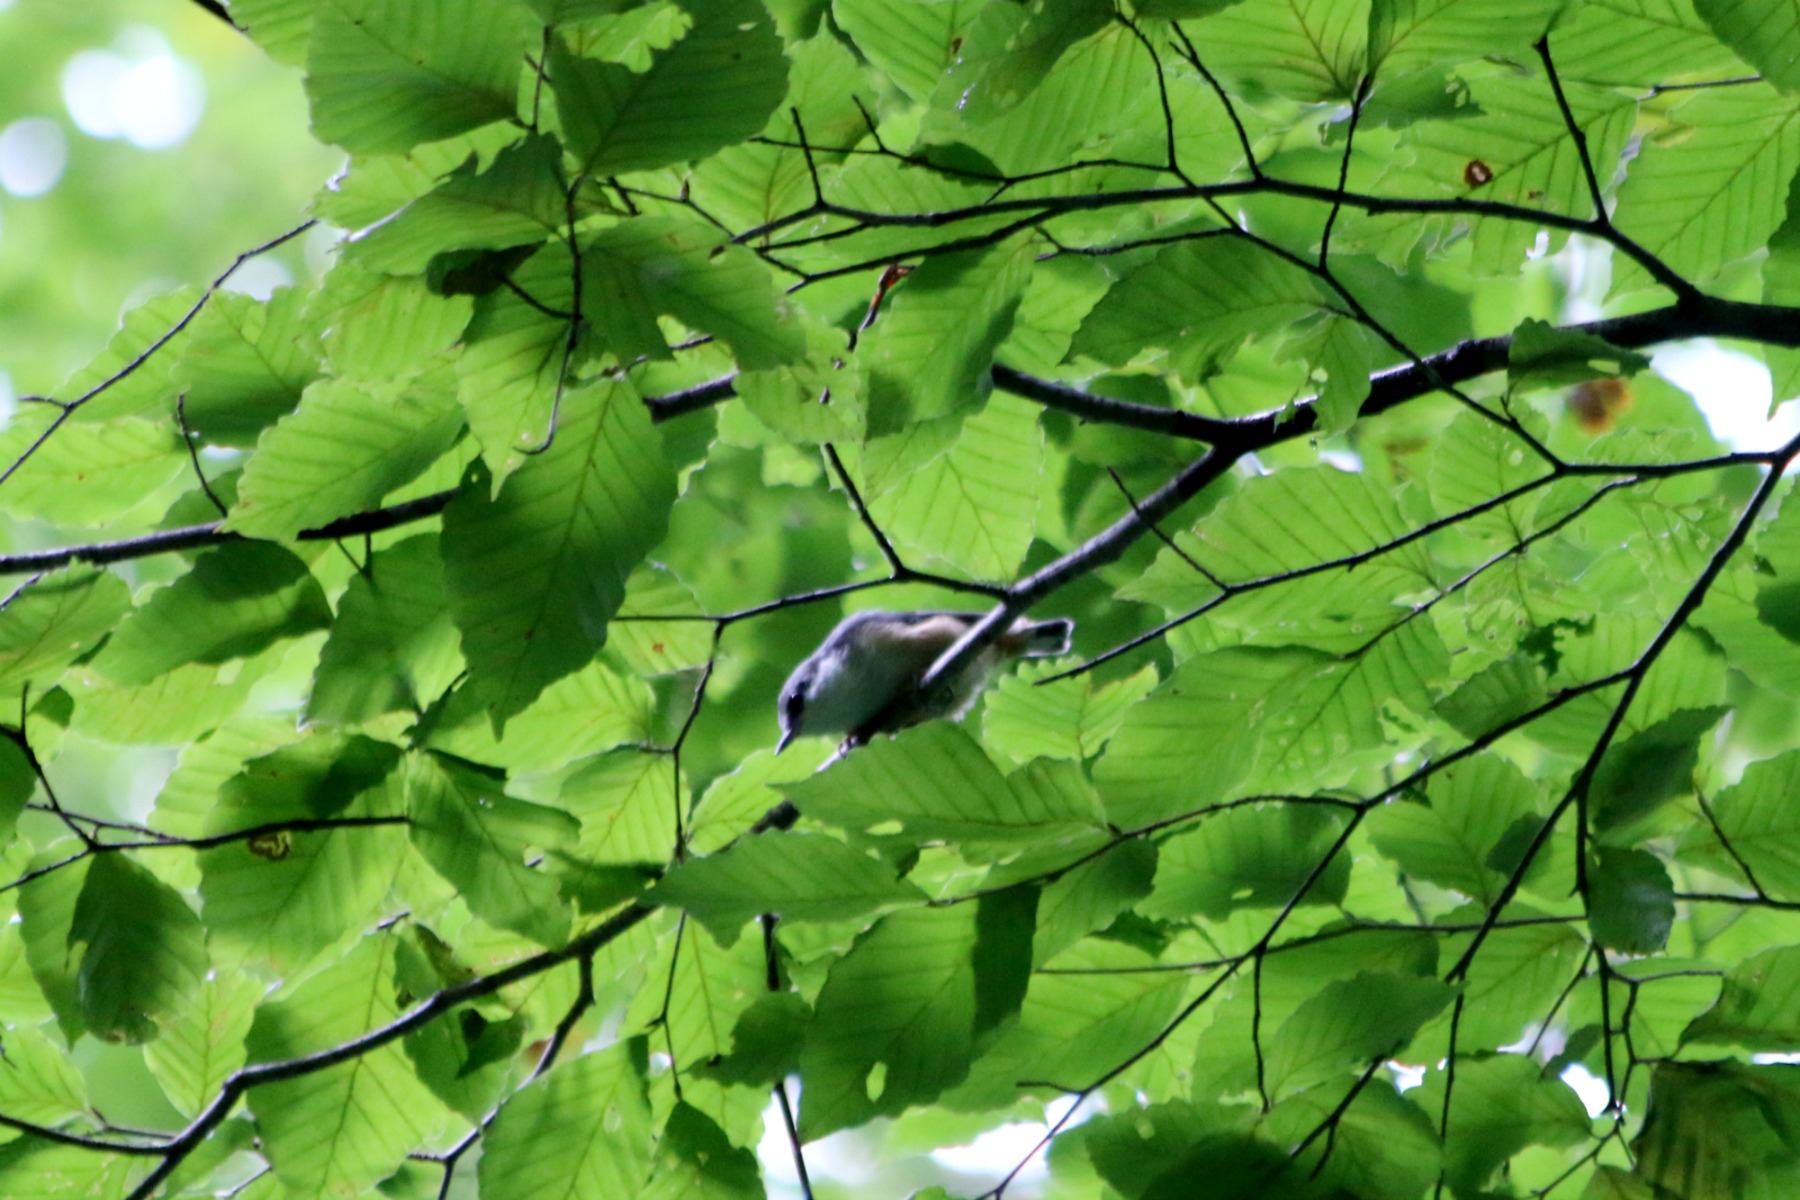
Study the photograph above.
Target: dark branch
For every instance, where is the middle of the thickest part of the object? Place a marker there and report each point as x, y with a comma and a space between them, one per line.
176, 1149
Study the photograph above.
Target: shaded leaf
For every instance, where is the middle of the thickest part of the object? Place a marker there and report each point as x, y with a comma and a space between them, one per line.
481, 840
796, 876
383, 78
535, 573
237, 601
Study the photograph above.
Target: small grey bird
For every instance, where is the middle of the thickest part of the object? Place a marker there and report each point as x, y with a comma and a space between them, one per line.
864, 679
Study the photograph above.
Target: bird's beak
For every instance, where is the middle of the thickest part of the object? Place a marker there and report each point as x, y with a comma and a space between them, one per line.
787, 735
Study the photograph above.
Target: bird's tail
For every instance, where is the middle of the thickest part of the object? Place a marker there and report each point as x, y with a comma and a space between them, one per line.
1045, 639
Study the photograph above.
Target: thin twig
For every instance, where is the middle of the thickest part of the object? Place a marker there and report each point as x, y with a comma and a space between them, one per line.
70, 407
193, 451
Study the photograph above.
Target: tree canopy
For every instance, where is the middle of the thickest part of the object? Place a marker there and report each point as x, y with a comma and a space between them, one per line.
1417, 816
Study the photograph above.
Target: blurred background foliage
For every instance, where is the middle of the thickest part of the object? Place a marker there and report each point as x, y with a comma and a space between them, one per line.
142, 145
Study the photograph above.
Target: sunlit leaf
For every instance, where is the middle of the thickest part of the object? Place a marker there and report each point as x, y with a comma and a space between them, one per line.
345, 1127
581, 1131
339, 454
713, 87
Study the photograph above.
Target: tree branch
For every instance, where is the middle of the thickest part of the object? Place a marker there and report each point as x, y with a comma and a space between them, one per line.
176, 1149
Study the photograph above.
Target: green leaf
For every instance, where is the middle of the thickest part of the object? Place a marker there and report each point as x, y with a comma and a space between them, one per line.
913, 44
974, 507
1764, 33
1757, 1008
1199, 300
1511, 983
393, 644
1715, 187
1451, 840
1071, 718
1179, 10
1473, 462
237, 601
1516, 130
38, 1083
650, 647
1650, 768
1296, 520
1541, 355
626, 802
1265, 856
200, 1044
1756, 819
639, 269
1499, 1106
696, 1159
1011, 52
141, 948
1346, 353
246, 364
171, 710
1080, 109
384, 79
46, 917
1348, 1023
1091, 895
765, 1042
1097, 1004
691, 1000
535, 573
389, 329
895, 1023
714, 87
143, 390
930, 351
1185, 746
339, 1130
87, 473
813, 400
581, 1131
1637, 42
1631, 901
1325, 725
796, 876
280, 27
1615, 1183
517, 201
482, 840
1138, 1154
18, 783
589, 712
511, 370
35, 1168
348, 446
935, 782
1413, 35
1383, 1144
52, 620
1308, 50
1715, 1130
466, 1060
283, 897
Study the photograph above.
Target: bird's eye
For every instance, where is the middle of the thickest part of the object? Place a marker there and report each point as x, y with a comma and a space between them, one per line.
792, 703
